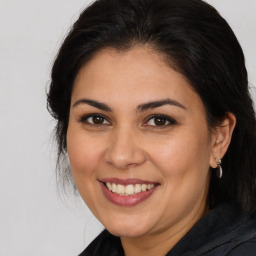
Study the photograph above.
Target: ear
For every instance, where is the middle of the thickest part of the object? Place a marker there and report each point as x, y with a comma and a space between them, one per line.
221, 137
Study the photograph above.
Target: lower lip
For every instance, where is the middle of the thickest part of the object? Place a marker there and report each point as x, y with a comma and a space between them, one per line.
126, 200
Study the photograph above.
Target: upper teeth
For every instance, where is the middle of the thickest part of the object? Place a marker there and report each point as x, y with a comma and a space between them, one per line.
128, 189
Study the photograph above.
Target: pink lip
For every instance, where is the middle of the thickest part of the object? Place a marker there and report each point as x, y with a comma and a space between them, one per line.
126, 200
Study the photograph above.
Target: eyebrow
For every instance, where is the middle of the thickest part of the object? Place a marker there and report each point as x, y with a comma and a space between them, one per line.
159, 103
140, 108
93, 103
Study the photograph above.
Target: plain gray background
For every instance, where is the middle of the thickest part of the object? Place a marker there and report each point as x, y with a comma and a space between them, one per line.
34, 219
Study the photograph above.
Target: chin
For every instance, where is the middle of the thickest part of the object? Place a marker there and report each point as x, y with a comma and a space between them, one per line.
127, 229
130, 232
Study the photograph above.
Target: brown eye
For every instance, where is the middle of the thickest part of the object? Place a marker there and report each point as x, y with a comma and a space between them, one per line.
98, 120
94, 119
159, 121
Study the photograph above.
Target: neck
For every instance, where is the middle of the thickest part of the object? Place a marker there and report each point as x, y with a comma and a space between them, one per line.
149, 245
161, 242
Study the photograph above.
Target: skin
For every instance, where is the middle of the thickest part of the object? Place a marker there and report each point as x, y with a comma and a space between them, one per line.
128, 144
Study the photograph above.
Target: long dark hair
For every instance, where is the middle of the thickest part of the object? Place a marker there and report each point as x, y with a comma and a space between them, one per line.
197, 42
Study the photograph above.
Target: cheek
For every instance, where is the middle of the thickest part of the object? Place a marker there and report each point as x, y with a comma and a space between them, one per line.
84, 152
183, 161
84, 155
183, 164
177, 153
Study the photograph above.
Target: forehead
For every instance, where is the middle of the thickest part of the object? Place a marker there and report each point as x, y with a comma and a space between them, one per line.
141, 62
136, 75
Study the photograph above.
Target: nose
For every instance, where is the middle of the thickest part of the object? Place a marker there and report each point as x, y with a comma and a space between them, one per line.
124, 150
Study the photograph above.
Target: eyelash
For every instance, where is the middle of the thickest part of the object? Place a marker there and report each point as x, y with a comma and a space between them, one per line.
170, 121
84, 119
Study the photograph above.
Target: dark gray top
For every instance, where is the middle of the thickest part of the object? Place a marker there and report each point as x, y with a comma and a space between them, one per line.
224, 231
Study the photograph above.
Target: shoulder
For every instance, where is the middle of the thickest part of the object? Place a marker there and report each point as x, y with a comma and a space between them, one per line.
247, 248
233, 248
238, 240
225, 230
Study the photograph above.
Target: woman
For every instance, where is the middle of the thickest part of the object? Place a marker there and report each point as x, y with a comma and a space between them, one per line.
152, 106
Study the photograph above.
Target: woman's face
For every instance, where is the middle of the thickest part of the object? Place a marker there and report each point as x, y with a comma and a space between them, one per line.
139, 144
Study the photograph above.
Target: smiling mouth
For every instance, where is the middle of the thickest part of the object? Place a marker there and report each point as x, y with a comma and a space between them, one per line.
128, 190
